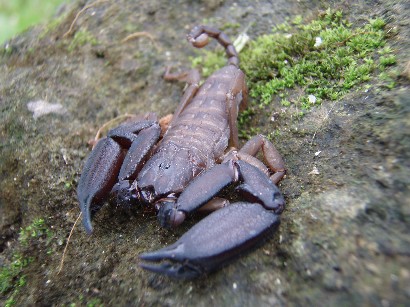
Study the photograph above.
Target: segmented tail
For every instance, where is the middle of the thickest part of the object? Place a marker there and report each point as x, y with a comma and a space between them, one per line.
199, 35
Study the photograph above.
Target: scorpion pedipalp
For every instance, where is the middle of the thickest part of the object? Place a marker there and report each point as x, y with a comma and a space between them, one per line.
98, 177
255, 186
213, 241
109, 162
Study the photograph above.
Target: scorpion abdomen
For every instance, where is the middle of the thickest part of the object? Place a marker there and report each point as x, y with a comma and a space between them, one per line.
203, 125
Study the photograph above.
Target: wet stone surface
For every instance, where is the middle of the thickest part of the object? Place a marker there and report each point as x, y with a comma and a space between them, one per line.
344, 236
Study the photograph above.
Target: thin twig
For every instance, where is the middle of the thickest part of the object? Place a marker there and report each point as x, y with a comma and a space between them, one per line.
66, 245
80, 12
110, 122
140, 34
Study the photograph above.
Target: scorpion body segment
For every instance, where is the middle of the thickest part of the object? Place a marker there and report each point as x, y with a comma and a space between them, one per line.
184, 170
196, 139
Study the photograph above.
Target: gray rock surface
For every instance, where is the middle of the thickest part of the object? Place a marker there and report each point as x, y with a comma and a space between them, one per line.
344, 237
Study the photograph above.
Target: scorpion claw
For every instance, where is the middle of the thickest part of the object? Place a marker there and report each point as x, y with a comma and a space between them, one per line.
98, 177
173, 263
87, 221
174, 270
214, 241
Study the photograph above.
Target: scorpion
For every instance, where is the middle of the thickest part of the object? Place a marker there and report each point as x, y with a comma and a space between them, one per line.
185, 168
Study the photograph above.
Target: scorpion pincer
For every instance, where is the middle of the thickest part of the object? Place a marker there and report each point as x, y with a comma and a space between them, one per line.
184, 169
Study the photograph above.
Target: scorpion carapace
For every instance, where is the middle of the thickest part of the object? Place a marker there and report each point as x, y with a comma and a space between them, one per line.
185, 169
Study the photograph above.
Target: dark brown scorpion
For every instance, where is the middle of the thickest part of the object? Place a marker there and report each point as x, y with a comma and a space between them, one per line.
185, 169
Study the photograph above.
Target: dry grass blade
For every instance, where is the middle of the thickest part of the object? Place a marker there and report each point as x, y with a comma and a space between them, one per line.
110, 122
66, 245
140, 34
80, 12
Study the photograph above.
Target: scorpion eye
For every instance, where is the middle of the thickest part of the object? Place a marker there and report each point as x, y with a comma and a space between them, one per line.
164, 165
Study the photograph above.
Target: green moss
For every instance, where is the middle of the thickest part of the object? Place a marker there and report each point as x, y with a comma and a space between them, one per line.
6, 50
12, 278
82, 301
209, 61
35, 230
95, 302
285, 102
81, 38
387, 60
388, 79
9, 273
230, 25
297, 20
377, 24
326, 57
243, 119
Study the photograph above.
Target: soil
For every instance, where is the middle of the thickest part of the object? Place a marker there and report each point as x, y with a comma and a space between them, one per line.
344, 238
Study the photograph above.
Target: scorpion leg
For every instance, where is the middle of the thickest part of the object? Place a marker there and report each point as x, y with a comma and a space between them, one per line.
255, 186
271, 156
192, 78
200, 191
226, 232
214, 204
109, 162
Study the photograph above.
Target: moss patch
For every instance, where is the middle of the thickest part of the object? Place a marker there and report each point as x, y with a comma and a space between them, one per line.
35, 230
81, 38
325, 58
12, 277
209, 61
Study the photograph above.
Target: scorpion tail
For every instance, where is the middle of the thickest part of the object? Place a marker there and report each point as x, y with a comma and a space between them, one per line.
199, 35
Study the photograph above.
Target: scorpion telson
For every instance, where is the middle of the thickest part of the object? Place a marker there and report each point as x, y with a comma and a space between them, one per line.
184, 169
